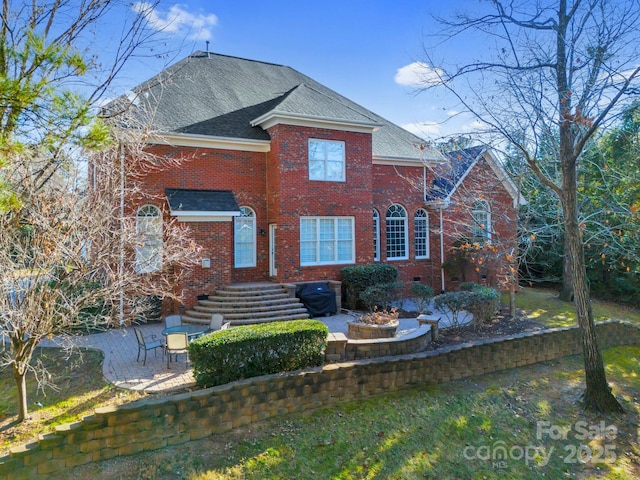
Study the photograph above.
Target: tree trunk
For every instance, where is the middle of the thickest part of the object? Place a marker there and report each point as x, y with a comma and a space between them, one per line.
566, 291
597, 396
21, 384
512, 300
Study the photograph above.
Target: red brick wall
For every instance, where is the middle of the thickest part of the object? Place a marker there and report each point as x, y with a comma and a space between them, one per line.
241, 172
276, 186
292, 195
481, 184
404, 186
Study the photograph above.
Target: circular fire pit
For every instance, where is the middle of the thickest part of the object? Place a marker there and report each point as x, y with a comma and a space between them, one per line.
366, 331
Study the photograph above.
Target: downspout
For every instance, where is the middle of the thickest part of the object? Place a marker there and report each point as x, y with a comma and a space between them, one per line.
121, 266
441, 250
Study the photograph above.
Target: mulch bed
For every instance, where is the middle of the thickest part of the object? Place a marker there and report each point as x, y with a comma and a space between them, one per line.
502, 325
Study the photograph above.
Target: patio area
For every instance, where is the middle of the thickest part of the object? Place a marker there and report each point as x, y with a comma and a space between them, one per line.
120, 350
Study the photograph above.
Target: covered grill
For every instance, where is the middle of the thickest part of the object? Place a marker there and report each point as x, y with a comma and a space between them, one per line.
317, 298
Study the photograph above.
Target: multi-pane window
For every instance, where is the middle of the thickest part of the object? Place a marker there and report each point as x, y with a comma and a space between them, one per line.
244, 238
397, 247
421, 232
376, 235
326, 160
481, 222
326, 240
149, 233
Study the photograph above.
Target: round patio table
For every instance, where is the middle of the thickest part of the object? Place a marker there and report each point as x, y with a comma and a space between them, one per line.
192, 331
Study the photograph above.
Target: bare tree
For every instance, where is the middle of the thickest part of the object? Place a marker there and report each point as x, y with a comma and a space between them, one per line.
62, 245
62, 252
560, 70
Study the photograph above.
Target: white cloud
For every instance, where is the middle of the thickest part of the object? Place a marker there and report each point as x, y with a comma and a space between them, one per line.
419, 74
423, 129
177, 20
475, 126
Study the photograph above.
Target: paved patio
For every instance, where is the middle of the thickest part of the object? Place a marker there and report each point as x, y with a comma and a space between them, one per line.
121, 349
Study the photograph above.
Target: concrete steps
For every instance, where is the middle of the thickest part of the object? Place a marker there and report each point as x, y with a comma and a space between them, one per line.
244, 304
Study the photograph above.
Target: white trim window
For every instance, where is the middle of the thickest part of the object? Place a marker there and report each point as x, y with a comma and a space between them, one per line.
481, 222
421, 233
376, 235
397, 233
327, 240
244, 238
149, 236
326, 160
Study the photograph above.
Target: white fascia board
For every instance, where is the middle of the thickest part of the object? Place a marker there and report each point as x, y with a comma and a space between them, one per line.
504, 177
463, 177
404, 161
270, 119
209, 141
193, 216
440, 203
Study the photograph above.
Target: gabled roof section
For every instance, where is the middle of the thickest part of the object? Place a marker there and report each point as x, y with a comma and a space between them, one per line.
450, 175
305, 105
220, 96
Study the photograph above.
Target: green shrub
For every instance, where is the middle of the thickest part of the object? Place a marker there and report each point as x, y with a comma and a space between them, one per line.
469, 286
421, 295
357, 278
483, 304
380, 295
252, 350
452, 304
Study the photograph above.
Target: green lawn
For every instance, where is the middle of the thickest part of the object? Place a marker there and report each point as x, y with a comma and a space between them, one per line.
75, 388
544, 307
451, 431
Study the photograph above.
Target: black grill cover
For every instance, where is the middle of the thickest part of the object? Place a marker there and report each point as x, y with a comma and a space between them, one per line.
317, 298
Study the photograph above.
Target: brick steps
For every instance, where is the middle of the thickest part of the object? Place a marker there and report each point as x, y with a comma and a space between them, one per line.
245, 304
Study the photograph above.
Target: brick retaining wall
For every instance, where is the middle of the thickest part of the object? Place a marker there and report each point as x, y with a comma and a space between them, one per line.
156, 423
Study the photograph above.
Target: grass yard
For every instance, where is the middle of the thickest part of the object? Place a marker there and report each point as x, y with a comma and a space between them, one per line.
543, 306
75, 389
485, 427
521, 423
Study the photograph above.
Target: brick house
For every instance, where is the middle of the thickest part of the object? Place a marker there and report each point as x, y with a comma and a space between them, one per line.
285, 180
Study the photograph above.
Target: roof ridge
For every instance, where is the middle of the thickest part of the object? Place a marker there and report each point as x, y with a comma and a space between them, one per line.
202, 53
333, 99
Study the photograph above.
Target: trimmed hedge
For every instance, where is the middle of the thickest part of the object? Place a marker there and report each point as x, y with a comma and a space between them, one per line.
252, 350
356, 279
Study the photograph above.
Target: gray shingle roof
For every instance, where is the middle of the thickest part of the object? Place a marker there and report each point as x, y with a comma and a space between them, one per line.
184, 200
219, 95
451, 172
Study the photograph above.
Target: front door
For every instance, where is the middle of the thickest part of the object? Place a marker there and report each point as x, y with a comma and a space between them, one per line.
273, 270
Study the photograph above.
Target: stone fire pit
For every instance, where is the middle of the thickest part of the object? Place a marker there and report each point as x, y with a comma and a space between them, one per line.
365, 331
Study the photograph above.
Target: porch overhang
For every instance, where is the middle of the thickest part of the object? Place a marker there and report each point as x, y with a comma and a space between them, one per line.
202, 205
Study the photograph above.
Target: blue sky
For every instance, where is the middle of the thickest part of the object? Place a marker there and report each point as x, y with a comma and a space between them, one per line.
365, 50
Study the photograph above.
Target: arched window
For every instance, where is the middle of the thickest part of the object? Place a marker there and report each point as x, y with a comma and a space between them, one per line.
421, 233
397, 236
149, 233
376, 235
244, 238
481, 222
